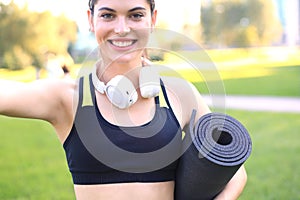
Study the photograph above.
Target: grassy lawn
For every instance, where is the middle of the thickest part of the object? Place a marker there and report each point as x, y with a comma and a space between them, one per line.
284, 81
33, 165
273, 167
281, 81
257, 71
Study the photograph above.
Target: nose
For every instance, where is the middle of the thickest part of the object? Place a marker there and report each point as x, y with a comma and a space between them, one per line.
122, 27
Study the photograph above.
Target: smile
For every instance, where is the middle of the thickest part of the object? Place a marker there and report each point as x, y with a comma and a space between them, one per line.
122, 44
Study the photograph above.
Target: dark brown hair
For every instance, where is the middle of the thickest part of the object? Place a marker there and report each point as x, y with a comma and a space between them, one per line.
92, 3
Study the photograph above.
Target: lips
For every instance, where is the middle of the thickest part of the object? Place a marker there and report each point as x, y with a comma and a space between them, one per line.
122, 43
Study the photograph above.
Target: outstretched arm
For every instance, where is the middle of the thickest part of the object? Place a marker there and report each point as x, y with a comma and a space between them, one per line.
39, 99
27, 100
49, 100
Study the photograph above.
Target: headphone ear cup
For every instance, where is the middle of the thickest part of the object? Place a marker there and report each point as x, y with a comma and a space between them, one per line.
121, 92
149, 82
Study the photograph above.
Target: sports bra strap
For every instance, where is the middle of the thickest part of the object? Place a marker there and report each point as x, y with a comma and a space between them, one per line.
164, 101
86, 89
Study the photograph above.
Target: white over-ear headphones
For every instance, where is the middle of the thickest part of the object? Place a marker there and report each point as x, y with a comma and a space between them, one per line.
121, 91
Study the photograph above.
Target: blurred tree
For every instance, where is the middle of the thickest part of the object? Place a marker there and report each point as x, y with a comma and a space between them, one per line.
26, 37
240, 23
13, 25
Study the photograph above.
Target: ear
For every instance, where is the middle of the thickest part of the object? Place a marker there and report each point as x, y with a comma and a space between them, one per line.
153, 19
91, 21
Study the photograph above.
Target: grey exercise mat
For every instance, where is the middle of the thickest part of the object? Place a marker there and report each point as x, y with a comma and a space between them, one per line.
214, 149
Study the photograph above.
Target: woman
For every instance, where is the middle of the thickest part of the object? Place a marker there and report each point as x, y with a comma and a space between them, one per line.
121, 29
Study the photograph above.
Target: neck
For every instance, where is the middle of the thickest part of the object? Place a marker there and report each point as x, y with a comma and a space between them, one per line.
106, 71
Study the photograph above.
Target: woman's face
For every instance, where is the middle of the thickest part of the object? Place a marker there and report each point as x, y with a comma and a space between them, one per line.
121, 27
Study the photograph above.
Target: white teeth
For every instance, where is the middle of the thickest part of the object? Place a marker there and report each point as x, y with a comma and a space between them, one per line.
122, 43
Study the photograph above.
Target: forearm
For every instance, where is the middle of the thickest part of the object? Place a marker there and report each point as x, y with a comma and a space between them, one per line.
235, 186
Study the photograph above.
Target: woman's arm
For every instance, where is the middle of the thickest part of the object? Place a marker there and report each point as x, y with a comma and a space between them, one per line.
40, 99
26, 100
49, 100
235, 186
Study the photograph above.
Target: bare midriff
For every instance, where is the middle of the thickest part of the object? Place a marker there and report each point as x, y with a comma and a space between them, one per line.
126, 191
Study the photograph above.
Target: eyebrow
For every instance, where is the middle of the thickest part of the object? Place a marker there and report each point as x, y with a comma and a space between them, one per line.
112, 10
106, 8
137, 8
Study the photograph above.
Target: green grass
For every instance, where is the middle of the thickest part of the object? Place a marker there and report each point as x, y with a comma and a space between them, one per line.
281, 81
33, 165
273, 167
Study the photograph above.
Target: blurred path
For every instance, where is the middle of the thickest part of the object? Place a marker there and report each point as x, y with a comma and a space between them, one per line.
255, 103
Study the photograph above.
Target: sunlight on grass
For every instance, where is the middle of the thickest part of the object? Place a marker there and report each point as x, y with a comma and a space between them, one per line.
245, 73
256, 57
231, 63
206, 65
30, 74
25, 75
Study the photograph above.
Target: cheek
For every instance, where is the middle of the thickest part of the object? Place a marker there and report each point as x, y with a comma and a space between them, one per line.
144, 35
143, 30
101, 33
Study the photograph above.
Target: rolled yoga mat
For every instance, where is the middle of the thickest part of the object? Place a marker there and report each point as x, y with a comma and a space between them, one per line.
214, 149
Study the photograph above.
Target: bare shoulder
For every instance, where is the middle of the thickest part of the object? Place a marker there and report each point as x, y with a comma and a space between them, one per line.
58, 92
61, 104
184, 98
63, 89
176, 83
183, 89
65, 107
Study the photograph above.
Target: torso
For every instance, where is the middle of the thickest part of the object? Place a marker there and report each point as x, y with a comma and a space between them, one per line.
126, 191
158, 190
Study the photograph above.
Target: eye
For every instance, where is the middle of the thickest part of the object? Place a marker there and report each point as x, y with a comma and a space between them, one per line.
107, 16
137, 16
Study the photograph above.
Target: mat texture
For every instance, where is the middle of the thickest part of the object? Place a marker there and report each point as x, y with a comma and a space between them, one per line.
213, 150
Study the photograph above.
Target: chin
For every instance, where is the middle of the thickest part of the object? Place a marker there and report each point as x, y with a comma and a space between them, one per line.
129, 57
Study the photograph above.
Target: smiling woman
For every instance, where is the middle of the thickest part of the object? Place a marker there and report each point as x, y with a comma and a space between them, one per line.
114, 151
119, 29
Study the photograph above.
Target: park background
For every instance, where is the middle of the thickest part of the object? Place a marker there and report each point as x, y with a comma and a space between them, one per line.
254, 45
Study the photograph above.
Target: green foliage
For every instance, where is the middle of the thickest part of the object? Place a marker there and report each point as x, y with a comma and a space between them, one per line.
30, 35
16, 58
240, 23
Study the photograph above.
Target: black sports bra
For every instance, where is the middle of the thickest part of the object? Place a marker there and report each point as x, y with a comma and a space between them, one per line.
99, 152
